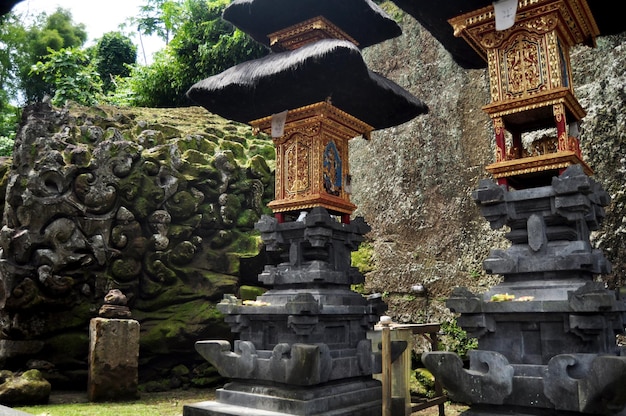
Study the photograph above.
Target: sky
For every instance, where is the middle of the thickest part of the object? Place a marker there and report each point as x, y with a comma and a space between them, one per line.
99, 17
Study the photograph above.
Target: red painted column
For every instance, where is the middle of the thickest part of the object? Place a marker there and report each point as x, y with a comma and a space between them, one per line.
561, 126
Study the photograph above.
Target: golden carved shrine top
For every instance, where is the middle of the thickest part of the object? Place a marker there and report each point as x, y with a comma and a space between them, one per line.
307, 32
571, 18
530, 82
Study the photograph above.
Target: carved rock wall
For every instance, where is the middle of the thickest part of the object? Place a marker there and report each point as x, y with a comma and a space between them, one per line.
160, 205
413, 183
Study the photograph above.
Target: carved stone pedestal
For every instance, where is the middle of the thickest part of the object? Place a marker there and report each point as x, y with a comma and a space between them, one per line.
547, 333
303, 347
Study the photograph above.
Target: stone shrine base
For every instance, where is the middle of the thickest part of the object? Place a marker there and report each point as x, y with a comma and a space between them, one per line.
352, 398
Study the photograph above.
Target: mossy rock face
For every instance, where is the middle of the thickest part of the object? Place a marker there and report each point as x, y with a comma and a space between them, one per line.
159, 203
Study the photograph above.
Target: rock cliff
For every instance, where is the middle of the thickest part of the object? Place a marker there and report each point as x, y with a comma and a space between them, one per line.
412, 183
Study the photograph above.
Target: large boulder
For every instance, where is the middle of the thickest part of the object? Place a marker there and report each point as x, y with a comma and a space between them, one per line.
23, 388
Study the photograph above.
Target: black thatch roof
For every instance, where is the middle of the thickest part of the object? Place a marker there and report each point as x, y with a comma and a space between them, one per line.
434, 15
363, 20
311, 74
7, 5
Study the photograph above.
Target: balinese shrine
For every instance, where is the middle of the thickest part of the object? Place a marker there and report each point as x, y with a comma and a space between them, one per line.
531, 86
547, 333
302, 346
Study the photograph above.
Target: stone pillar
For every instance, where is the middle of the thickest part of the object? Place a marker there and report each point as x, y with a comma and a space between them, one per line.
113, 352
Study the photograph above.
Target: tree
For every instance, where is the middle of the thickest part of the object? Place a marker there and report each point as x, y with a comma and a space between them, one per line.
152, 85
12, 37
53, 32
114, 52
158, 17
72, 75
203, 44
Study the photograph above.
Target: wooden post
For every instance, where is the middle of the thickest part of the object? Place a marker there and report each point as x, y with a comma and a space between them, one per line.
385, 321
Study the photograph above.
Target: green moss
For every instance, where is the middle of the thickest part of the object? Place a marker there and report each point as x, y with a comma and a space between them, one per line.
32, 375
159, 271
75, 318
216, 132
210, 216
422, 383
231, 206
207, 381
247, 219
125, 269
180, 232
235, 138
197, 157
70, 345
162, 332
250, 292
246, 243
183, 253
167, 132
259, 169
393, 10
183, 204
180, 370
222, 239
266, 151
237, 149
230, 128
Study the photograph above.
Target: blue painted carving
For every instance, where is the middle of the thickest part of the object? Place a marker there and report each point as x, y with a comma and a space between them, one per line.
332, 169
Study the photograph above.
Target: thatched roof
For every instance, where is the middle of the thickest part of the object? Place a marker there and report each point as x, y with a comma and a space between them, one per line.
434, 15
7, 5
363, 20
311, 74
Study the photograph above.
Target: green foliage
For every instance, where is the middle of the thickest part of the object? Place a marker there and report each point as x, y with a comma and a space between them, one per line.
203, 44
59, 24
359, 288
158, 17
71, 75
9, 122
24, 46
6, 146
363, 258
475, 274
114, 52
49, 33
155, 85
12, 35
455, 339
